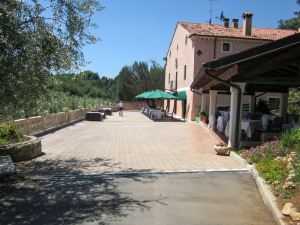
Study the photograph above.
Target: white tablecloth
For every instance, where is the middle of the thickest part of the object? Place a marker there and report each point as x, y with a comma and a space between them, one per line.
249, 126
221, 123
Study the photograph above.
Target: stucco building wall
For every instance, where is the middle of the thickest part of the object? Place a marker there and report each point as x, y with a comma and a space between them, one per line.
190, 53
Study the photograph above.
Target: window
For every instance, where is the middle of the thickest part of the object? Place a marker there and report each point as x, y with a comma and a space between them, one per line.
169, 77
184, 73
170, 53
172, 85
177, 47
274, 104
226, 47
176, 63
199, 52
186, 40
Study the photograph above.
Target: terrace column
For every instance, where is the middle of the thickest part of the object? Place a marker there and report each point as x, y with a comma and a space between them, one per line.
204, 102
212, 108
283, 105
233, 114
252, 104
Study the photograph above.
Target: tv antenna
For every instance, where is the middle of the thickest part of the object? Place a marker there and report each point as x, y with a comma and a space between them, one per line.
211, 10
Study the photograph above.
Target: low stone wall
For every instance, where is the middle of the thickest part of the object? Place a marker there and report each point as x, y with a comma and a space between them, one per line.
135, 105
23, 151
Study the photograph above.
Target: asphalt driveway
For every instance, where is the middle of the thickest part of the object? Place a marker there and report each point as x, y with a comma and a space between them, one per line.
170, 199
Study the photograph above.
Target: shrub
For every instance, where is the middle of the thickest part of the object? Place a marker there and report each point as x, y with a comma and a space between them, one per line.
9, 134
296, 166
291, 139
269, 150
272, 170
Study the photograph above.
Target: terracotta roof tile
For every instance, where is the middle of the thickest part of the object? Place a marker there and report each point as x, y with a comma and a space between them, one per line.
219, 30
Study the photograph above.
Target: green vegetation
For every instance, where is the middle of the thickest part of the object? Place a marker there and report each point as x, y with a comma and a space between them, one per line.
293, 23
72, 91
278, 162
272, 170
39, 38
294, 94
9, 134
137, 78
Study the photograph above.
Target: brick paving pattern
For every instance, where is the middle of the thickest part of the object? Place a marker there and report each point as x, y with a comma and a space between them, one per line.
129, 143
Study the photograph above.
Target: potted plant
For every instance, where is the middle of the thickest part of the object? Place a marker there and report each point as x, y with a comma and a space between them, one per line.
204, 117
18, 146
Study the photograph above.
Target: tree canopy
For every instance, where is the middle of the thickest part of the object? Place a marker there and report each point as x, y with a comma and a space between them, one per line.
38, 38
139, 77
293, 23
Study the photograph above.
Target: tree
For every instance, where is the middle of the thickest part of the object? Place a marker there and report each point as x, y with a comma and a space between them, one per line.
294, 94
293, 23
138, 78
38, 38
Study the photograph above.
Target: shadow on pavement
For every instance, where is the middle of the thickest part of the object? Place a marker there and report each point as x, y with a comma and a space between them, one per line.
70, 199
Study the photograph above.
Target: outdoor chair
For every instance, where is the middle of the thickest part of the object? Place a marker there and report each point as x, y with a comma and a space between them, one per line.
93, 116
103, 113
277, 123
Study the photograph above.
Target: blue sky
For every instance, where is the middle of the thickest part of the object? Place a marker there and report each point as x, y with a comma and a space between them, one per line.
141, 30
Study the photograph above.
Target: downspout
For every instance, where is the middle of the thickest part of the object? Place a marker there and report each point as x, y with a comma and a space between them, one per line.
215, 45
239, 102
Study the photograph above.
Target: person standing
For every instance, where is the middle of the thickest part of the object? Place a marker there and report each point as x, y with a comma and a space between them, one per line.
121, 108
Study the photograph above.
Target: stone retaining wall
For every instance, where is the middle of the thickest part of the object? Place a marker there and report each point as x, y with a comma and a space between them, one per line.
23, 151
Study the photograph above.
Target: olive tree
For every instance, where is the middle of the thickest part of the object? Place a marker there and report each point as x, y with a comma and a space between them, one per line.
37, 39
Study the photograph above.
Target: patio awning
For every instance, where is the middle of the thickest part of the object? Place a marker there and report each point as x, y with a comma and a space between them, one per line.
157, 94
181, 95
143, 95
272, 67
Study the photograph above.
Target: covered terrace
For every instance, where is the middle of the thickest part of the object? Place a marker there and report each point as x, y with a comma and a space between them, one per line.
272, 67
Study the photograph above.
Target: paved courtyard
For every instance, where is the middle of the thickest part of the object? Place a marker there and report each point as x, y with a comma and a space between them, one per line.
129, 143
67, 185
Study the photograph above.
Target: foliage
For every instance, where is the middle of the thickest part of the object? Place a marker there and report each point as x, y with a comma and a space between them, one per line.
38, 38
87, 84
203, 113
72, 91
291, 139
278, 161
272, 170
137, 78
294, 101
294, 94
9, 134
293, 23
269, 150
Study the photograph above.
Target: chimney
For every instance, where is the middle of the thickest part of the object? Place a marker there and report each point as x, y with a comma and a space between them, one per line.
247, 24
226, 22
235, 23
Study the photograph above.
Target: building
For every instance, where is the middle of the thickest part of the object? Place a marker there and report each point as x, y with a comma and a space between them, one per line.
270, 68
194, 44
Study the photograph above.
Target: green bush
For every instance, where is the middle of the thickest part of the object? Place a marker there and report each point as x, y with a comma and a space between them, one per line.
272, 170
9, 134
291, 139
296, 166
270, 150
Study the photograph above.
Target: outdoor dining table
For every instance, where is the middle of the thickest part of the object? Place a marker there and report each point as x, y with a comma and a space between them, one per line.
222, 123
250, 126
